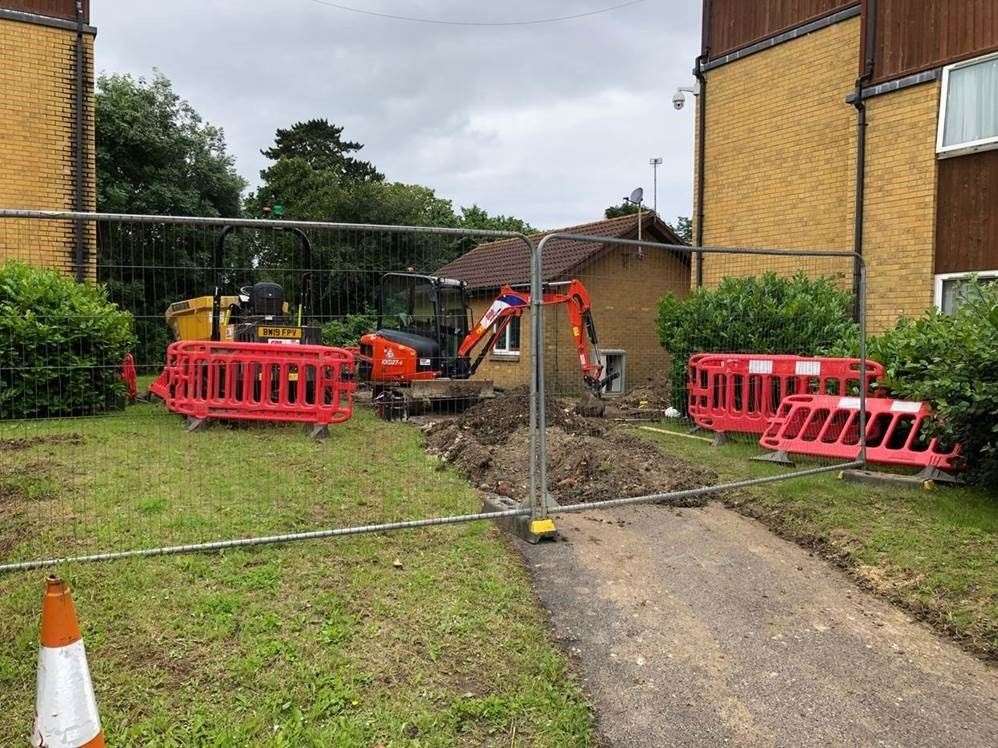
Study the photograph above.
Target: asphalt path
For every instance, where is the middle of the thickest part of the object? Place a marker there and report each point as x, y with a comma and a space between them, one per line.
700, 627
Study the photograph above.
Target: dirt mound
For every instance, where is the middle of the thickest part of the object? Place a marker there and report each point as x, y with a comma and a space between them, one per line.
653, 394
588, 460
495, 421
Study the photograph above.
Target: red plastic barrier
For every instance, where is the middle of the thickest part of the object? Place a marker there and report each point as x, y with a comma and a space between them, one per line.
742, 391
828, 426
258, 382
129, 377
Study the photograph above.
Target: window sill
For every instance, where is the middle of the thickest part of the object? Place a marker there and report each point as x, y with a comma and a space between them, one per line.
508, 358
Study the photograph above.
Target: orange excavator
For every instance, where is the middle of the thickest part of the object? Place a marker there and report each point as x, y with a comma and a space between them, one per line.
424, 351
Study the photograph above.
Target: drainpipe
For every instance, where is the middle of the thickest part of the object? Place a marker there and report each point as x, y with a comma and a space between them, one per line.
79, 116
869, 42
701, 131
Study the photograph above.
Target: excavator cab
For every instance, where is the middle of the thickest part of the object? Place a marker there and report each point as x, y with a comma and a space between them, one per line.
427, 314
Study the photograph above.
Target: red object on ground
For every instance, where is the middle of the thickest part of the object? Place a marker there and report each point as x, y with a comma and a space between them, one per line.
258, 382
828, 426
129, 377
742, 391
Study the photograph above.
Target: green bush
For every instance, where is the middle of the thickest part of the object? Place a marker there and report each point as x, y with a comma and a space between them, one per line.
952, 361
61, 345
762, 314
346, 331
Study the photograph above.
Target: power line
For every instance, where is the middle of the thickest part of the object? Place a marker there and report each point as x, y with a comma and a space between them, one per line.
441, 22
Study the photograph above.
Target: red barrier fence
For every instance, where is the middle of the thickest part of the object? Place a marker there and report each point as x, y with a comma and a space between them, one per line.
258, 382
742, 391
828, 426
129, 377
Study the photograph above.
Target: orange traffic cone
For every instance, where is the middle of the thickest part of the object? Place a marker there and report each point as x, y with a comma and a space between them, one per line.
65, 706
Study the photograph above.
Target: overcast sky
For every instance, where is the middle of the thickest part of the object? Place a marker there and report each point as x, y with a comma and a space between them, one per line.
549, 122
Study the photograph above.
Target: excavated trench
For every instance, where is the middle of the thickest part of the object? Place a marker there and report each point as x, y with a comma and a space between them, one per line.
589, 459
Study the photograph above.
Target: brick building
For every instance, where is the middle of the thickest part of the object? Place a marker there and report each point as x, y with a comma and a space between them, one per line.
833, 124
625, 284
47, 129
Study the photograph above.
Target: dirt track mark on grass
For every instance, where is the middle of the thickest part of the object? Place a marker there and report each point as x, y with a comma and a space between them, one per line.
26, 442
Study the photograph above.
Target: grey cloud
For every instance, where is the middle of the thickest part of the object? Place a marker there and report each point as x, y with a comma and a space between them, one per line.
551, 123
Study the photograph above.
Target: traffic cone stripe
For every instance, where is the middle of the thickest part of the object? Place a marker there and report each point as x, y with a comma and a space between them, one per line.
65, 708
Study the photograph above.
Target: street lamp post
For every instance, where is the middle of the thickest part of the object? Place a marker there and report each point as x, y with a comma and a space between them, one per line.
655, 163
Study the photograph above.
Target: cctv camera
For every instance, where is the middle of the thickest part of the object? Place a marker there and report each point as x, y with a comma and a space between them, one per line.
679, 100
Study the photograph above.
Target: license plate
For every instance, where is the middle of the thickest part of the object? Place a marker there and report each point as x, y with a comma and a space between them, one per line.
289, 333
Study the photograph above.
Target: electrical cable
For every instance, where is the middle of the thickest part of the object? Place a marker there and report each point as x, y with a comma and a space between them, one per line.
441, 22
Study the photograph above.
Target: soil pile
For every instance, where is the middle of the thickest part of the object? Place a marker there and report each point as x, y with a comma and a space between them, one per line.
588, 459
653, 394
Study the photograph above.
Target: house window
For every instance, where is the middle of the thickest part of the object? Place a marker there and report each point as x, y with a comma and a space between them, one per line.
508, 342
968, 116
951, 288
614, 365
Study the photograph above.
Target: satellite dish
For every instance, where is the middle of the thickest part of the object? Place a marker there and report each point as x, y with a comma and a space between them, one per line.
637, 196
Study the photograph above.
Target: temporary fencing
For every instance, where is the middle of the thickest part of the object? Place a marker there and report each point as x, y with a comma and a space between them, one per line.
897, 432
258, 382
114, 481
733, 392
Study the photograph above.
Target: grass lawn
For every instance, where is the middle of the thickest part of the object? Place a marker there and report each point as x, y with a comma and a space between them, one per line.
935, 553
428, 637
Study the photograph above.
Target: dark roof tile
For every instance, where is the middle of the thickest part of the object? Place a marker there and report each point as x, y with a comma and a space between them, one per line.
507, 260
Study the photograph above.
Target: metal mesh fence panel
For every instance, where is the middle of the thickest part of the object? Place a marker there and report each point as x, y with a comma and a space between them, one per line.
583, 371
83, 470
756, 376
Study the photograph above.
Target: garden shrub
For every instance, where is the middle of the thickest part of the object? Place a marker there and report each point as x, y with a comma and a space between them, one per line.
762, 314
61, 345
952, 362
346, 331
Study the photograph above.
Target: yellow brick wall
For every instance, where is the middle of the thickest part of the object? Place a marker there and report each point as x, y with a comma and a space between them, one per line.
899, 224
781, 153
625, 290
37, 163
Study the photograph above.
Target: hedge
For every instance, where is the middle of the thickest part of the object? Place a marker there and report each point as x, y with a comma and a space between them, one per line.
760, 314
61, 345
952, 361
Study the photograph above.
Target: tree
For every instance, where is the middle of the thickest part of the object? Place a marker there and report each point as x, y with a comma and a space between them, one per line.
320, 144
314, 177
683, 228
155, 154
624, 209
479, 219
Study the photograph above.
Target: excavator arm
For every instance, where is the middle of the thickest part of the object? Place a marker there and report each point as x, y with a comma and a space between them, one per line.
512, 303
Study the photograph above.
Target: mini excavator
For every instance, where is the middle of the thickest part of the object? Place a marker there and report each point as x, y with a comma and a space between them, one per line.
423, 352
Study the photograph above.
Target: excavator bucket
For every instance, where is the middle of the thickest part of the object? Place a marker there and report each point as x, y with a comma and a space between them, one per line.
590, 405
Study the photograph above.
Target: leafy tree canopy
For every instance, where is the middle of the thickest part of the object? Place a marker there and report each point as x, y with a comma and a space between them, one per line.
314, 177
320, 145
155, 154
478, 218
624, 209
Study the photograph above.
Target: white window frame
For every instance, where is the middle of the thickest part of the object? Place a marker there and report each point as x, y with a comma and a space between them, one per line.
501, 348
620, 383
959, 149
941, 278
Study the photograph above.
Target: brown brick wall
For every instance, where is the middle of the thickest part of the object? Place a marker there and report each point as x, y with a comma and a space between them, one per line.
781, 170
37, 164
900, 213
781, 151
625, 289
